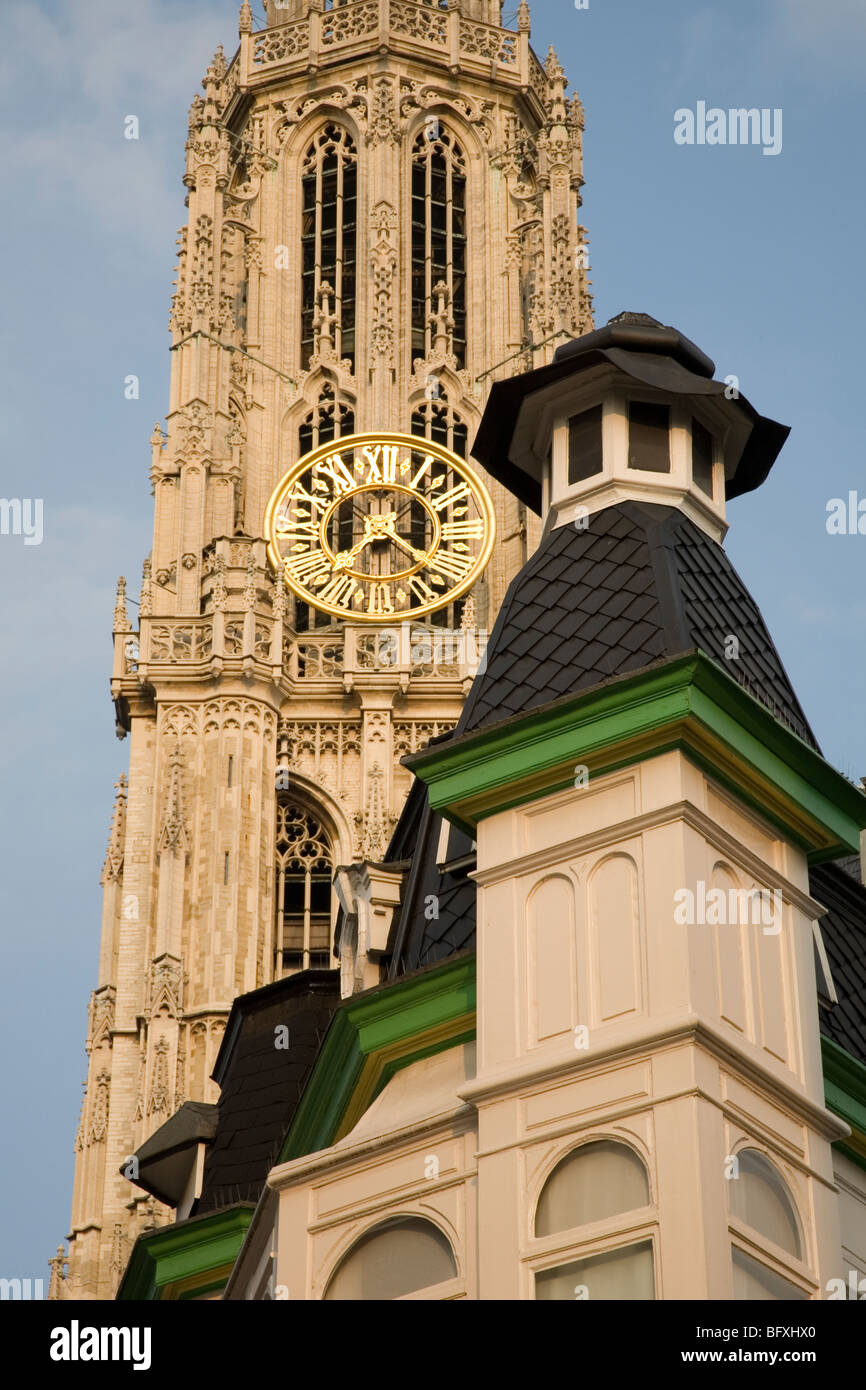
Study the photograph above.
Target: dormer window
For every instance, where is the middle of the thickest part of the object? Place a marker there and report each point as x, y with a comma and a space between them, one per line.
702, 457
584, 445
649, 436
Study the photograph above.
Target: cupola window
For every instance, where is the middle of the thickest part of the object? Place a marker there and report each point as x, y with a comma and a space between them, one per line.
702, 457
649, 427
584, 445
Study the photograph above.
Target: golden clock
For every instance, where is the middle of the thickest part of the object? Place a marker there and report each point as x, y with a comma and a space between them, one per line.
380, 527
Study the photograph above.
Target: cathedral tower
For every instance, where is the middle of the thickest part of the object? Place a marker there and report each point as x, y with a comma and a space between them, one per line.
383, 219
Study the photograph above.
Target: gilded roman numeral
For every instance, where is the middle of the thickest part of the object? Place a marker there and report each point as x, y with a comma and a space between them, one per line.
305, 569
382, 462
380, 599
334, 467
462, 530
425, 466
339, 590
422, 591
455, 566
451, 496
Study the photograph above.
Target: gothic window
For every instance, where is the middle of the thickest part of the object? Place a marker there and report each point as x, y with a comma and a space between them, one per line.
438, 238
304, 870
436, 419
328, 243
330, 419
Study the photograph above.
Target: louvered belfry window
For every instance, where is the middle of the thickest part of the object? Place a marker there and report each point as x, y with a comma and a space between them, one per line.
328, 241
304, 871
438, 238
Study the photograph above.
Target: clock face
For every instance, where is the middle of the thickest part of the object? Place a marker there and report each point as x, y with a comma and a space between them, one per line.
379, 527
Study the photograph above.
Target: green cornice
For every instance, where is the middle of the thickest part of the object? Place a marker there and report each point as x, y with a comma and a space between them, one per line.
845, 1094
688, 703
374, 1035
187, 1259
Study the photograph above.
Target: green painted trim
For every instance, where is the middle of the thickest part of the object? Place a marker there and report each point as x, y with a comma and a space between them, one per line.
371, 1037
186, 1250
845, 1095
688, 702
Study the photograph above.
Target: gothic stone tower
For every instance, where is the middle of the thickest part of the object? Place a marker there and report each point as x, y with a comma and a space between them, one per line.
383, 218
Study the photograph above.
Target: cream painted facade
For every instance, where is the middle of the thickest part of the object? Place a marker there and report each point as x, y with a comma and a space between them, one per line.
231, 696
600, 1019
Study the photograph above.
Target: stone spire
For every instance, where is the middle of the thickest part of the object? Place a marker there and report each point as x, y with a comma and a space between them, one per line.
173, 832
113, 865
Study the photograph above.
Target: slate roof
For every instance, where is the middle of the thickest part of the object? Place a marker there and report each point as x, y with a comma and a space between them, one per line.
262, 1084
641, 583
844, 933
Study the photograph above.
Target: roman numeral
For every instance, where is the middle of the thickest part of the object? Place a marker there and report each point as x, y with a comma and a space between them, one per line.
452, 495
382, 461
339, 591
296, 530
462, 530
422, 591
380, 599
337, 471
421, 471
455, 566
305, 569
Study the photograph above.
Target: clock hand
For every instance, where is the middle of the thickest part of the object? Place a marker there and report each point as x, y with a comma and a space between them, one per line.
416, 554
376, 528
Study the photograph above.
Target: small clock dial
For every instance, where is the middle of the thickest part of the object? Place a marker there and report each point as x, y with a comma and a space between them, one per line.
377, 527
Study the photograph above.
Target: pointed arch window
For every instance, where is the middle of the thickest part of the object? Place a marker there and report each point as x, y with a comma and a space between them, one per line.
329, 419
304, 872
437, 419
438, 240
329, 200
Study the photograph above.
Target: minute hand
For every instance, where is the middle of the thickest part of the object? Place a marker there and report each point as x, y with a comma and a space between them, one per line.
416, 554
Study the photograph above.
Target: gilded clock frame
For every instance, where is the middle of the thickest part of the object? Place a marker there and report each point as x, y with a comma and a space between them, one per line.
354, 442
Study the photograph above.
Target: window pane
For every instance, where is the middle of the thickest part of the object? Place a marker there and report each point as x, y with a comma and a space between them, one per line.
702, 457
649, 437
753, 1282
625, 1274
760, 1198
397, 1258
584, 445
595, 1181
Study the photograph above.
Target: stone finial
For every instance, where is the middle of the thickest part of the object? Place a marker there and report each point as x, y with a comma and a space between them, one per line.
121, 617
173, 832
523, 22
245, 21
441, 321
56, 1287
219, 65
113, 865
145, 607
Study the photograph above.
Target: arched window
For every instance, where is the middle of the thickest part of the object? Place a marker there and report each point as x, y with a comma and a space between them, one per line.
304, 871
438, 241
329, 419
594, 1181
329, 196
760, 1199
597, 1182
396, 1258
436, 419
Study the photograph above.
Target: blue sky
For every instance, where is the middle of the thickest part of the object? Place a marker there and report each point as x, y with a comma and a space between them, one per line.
758, 259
